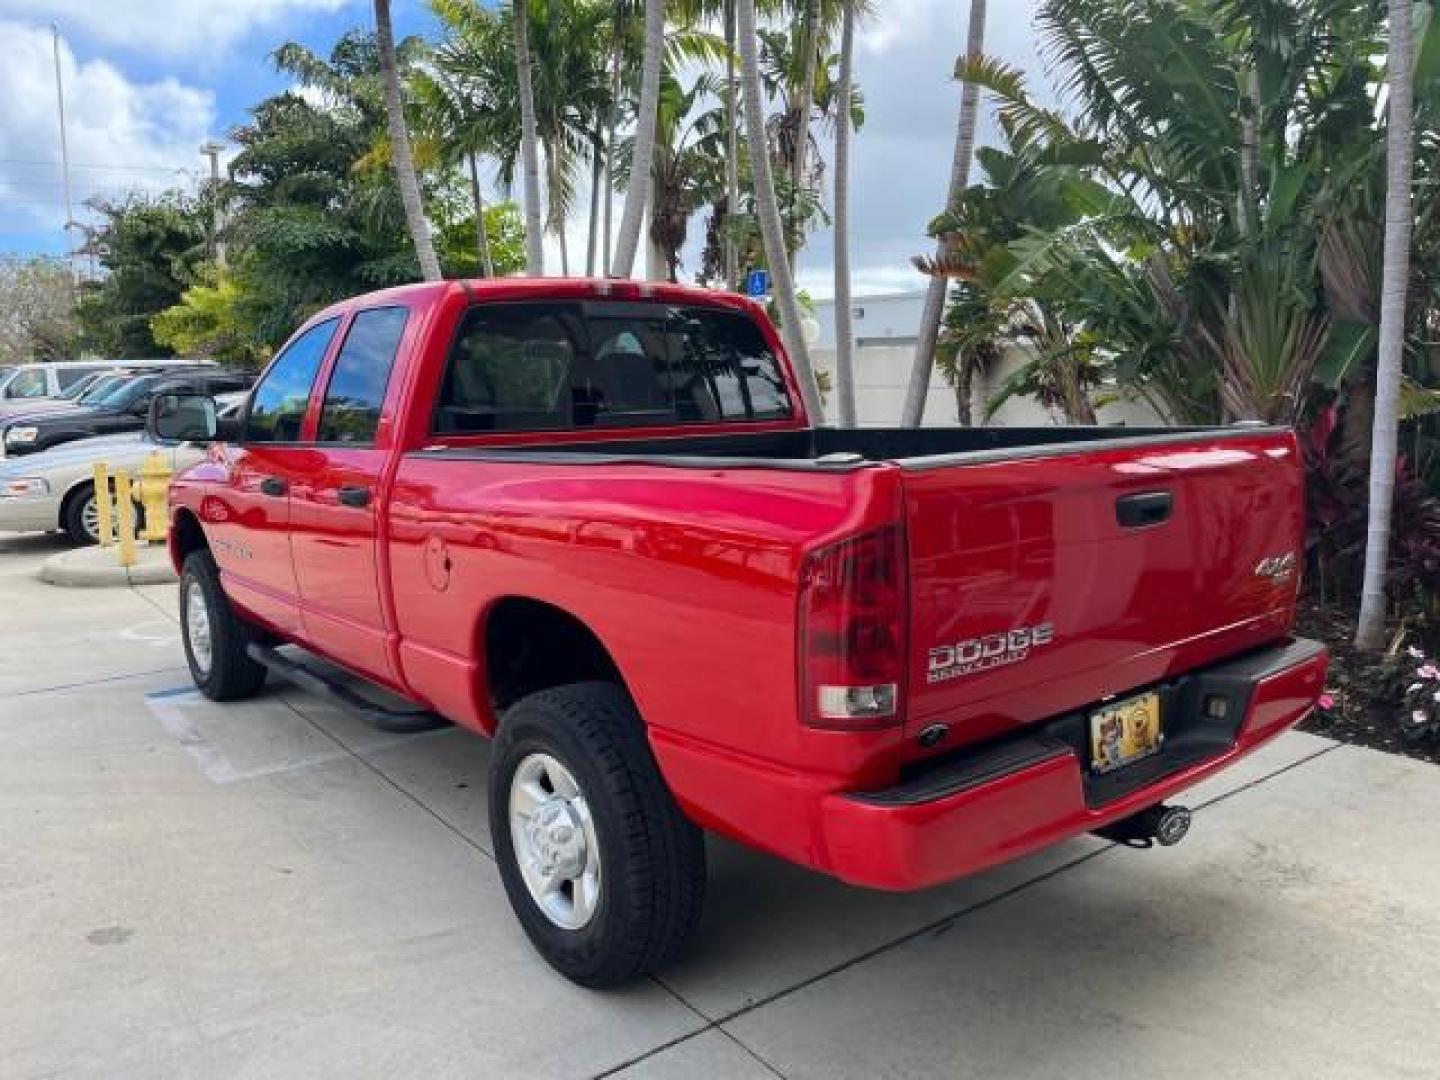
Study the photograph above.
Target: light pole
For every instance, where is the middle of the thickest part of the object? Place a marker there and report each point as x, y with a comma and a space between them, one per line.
211, 148
70, 222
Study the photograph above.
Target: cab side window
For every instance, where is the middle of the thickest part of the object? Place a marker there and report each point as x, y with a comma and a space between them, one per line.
277, 408
361, 375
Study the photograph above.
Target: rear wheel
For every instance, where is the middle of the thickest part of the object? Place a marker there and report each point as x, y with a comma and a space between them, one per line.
216, 638
605, 874
81, 516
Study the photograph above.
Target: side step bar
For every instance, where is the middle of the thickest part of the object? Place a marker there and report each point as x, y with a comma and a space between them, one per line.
399, 721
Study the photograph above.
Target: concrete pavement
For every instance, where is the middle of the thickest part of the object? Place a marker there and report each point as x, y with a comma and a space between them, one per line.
272, 889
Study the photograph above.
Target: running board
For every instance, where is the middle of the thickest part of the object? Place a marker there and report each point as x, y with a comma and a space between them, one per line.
399, 721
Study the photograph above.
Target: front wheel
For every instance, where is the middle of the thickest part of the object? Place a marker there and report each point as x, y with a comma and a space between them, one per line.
216, 638
604, 872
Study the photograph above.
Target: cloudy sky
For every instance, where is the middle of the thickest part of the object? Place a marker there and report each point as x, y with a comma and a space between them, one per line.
147, 81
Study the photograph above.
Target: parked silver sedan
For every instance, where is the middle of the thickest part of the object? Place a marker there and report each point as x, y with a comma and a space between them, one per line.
55, 489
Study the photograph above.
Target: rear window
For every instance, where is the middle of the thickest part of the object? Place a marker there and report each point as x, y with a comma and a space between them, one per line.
547, 367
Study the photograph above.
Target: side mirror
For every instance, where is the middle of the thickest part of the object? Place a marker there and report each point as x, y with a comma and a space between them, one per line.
184, 418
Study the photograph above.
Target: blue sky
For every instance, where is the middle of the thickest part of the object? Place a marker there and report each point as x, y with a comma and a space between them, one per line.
148, 80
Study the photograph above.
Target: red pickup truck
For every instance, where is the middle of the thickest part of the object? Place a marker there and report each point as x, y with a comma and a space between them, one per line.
592, 520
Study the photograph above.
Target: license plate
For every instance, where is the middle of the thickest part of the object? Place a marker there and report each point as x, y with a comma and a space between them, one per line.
1124, 732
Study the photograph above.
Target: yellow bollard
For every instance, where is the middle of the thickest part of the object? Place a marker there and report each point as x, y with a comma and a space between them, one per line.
103, 504
154, 489
125, 512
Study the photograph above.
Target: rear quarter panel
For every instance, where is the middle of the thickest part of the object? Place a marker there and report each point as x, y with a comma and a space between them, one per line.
687, 576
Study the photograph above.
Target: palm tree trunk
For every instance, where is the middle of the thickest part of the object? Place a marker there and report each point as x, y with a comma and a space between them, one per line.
529, 143
482, 238
615, 60
1395, 278
844, 316
632, 221
965, 390
914, 409
732, 152
597, 176
556, 216
401, 158
1249, 153
807, 106
769, 213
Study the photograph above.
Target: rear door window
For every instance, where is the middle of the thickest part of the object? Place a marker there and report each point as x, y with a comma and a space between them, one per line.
545, 367
356, 393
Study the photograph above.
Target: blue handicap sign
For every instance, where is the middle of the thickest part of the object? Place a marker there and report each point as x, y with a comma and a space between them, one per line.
757, 283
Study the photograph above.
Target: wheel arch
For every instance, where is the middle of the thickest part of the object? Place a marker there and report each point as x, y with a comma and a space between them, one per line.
527, 644
186, 536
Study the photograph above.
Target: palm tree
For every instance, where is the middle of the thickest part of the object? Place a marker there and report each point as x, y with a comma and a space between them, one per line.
844, 324
914, 408
768, 211
638, 195
529, 142
811, 44
686, 164
401, 158
1395, 280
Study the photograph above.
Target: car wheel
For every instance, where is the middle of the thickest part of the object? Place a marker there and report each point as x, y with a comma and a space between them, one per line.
604, 872
215, 637
81, 516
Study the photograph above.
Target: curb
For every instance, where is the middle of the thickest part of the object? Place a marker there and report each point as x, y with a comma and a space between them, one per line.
99, 568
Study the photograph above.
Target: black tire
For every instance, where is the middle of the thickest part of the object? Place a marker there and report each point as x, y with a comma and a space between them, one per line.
230, 674
652, 881
72, 516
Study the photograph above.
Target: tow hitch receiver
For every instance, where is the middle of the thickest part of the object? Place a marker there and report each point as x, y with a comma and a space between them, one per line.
1163, 825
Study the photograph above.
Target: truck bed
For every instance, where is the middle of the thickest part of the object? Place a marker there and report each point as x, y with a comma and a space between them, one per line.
839, 449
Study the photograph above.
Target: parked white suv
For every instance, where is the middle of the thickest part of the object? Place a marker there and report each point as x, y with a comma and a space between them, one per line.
36, 382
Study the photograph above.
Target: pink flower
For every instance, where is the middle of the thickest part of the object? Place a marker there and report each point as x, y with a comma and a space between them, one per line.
1428, 671
1327, 700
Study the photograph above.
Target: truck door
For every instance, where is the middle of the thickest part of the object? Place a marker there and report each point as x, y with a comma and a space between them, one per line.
335, 506
248, 517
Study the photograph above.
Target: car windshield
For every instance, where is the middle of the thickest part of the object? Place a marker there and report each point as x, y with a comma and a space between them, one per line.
128, 392
76, 390
98, 390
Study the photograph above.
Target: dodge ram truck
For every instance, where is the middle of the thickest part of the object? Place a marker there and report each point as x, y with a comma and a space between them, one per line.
592, 520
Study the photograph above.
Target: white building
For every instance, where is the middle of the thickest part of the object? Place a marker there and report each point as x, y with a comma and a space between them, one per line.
886, 329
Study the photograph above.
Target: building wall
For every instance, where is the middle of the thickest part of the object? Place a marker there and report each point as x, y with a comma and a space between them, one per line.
885, 331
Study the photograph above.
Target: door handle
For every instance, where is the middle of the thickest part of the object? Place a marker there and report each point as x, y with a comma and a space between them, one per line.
1146, 508
354, 496
274, 485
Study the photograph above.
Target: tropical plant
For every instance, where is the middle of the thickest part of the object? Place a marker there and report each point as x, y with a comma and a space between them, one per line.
208, 321
150, 248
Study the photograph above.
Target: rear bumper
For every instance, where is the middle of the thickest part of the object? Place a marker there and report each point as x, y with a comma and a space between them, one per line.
984, 807
973, 814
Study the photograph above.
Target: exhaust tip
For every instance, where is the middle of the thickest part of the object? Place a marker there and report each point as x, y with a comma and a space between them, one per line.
1162, 825
1171, 825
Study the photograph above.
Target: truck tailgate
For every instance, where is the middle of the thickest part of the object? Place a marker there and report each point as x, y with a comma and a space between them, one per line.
1041, 583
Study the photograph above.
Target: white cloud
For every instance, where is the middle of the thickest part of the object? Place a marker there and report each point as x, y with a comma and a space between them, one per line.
169, 27
123, 135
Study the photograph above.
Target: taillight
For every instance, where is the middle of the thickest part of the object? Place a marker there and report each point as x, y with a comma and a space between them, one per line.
852, 632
